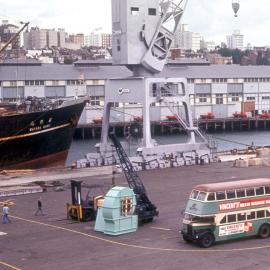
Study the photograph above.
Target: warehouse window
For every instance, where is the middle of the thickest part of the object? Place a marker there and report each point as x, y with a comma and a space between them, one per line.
219, 98
96, 101
134, 10
235, 96
202, 98
118, 45
152, 11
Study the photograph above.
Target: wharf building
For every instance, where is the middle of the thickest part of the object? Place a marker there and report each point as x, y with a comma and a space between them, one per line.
218, 89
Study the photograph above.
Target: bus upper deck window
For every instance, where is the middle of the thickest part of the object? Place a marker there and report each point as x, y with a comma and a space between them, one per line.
259, 191
220, 196
267, 190
194, 194
202, 196
240, 193
211, 197
250, 192
230, 194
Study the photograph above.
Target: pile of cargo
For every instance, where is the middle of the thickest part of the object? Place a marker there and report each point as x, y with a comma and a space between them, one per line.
262, 159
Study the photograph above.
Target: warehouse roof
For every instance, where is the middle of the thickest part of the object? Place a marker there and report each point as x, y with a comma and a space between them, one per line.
93, 71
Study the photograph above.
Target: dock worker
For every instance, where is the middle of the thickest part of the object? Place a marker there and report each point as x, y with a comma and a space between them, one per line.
5, 214
39, 209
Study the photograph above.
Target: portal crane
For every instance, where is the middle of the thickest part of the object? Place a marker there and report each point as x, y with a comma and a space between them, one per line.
14, 36
145, 209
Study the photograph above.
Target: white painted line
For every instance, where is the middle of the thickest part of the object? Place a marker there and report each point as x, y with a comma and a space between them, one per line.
3, 233
158, 228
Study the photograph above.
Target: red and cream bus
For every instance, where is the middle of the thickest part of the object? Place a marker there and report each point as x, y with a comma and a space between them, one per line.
227, 210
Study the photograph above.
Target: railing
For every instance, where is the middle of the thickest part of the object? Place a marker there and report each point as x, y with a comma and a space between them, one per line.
208, 139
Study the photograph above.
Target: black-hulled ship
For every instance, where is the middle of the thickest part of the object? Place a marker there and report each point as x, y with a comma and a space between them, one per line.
37, 133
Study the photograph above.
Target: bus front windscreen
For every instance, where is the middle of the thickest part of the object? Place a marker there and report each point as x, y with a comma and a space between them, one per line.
199, 219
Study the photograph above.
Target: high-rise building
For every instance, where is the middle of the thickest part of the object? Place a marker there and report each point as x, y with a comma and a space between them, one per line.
187, 40
35, 38
93, 40
106, 40
61, 37
52, 38
44, 38
236, 40
77, 39
208, 45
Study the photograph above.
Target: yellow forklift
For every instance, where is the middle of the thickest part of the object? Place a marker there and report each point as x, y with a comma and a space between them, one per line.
82, 209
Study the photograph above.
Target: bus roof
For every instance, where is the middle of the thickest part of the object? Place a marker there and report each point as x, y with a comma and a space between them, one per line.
233, 185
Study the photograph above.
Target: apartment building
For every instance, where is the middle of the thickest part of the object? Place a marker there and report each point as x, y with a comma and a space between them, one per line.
236, 40
187, 40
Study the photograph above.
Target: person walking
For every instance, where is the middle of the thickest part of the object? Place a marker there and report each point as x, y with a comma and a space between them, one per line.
39, 209
5, 214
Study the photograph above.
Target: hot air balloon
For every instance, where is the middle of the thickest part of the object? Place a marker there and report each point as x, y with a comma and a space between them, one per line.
235, 6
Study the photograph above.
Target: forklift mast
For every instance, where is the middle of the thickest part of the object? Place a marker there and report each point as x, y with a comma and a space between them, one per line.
76, 192
145, 209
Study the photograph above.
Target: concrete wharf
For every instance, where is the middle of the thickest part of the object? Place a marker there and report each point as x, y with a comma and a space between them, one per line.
89, 131
53, 242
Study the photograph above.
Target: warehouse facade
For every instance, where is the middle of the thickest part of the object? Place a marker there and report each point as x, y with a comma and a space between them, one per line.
218, 89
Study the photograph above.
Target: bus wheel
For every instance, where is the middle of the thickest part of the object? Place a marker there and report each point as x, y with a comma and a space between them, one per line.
207, 240
264, 231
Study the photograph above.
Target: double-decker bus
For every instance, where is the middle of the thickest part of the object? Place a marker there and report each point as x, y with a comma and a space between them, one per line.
228, 210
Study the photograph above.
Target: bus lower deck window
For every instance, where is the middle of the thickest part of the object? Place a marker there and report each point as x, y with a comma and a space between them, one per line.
241, 216
267, 213
260, 214
223, 220
251, 215
231, 218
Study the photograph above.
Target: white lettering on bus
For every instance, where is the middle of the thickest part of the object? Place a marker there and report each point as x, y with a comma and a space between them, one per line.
243, 204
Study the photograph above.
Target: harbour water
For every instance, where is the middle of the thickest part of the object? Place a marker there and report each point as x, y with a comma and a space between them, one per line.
225, 141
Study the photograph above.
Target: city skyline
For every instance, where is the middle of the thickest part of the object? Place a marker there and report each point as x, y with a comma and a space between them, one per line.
215, 22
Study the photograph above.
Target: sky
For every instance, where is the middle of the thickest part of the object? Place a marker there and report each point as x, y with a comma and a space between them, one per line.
213, 19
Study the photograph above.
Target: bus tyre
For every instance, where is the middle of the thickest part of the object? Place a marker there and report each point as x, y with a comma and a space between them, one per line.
207, 240
264, 231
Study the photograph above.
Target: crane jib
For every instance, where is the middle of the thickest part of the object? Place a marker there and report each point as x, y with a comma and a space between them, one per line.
146, 210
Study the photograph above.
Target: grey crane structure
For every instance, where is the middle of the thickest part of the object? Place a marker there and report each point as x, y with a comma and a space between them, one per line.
143, 33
